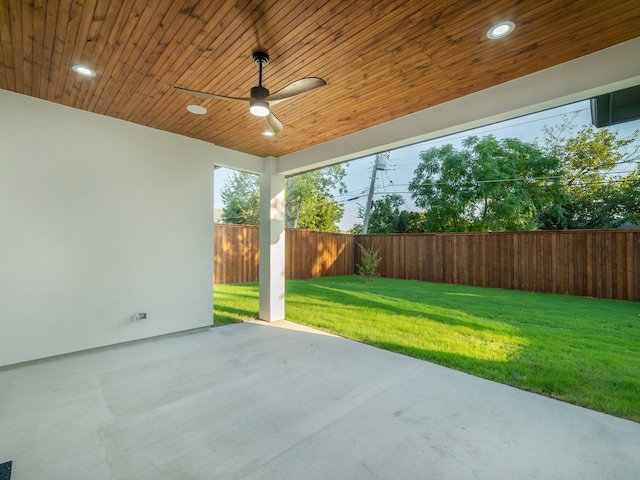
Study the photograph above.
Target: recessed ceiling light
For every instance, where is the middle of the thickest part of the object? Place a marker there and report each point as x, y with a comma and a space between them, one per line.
83, 70
268, 133
197, 109
501, 30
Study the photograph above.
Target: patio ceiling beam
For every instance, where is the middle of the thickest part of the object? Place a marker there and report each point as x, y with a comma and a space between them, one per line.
238, 161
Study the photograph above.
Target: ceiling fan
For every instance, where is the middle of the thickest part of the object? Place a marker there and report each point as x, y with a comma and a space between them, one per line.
260, 99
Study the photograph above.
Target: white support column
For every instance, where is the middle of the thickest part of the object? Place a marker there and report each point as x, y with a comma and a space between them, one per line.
272, 211
213, 244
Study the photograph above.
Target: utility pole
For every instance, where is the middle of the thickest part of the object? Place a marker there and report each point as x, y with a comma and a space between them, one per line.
381, 163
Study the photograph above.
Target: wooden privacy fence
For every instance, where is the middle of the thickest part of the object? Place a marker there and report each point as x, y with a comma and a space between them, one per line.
308, 254
236, 253
597, 263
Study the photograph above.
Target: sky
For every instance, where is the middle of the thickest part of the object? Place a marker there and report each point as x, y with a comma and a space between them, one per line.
403, 161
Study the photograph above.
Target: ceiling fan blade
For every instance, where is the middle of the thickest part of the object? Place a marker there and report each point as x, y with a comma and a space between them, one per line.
296, 88
211, 95
275, 124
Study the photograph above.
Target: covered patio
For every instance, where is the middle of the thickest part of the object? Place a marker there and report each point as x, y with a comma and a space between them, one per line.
273, 401
106, 214
106, 172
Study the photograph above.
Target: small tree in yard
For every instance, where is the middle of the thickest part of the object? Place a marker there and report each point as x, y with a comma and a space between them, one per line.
369, 261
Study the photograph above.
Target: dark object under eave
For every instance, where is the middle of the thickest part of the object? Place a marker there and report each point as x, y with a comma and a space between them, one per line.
616, 107
5, 470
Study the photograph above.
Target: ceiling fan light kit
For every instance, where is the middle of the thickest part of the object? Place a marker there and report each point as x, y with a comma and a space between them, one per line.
260, 99
259, 108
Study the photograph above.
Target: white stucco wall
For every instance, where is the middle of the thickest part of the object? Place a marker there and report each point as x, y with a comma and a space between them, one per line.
99, 219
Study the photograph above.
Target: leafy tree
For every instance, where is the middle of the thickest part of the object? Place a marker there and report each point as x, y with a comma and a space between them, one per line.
387, 217
241, 197
595, 195
356, 229
309, 203
489, 184
441, 186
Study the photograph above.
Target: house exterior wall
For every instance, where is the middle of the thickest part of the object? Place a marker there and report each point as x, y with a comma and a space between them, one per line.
99, 219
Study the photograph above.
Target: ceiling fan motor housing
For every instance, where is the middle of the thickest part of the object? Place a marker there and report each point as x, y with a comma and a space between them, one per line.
259, 92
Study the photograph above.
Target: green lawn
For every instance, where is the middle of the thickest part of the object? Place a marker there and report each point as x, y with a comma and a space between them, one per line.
581, 350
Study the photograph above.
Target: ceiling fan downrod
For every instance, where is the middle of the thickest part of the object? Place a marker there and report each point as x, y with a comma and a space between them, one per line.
261, 59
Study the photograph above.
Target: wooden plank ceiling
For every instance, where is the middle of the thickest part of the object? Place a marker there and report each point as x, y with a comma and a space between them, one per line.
381, 59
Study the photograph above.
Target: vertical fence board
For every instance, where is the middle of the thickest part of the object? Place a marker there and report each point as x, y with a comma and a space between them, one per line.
619, 266
629, 294
579, 265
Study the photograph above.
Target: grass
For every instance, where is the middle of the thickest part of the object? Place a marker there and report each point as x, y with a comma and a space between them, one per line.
577, 349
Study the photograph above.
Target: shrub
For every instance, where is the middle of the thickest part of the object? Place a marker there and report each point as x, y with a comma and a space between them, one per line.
368, 265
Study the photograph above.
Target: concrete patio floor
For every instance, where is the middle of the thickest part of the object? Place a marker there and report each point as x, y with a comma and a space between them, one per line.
273, 401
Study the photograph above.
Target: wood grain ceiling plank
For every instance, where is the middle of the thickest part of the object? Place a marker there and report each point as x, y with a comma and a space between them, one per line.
293, 35
15, 23
118, 95
117, 38
534, 28
320, 27
59, 62
27, 47
268, 36
228, 53
7, 77
379, 72
282, 21
80, 54
57, 45
44, 44
271, 34
584, 24
119, 44
356, 46
296, 49
392, 78
178, 100
103, 21
38, 19
191, 43
382, 58
346, 22
327, 41
70, 80
275, 32
368, 115
156, 42
504, 66
351, 118
278, 37
454, 29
